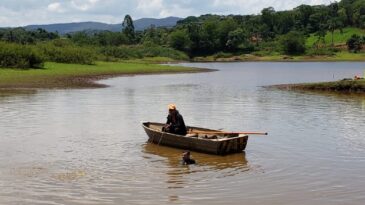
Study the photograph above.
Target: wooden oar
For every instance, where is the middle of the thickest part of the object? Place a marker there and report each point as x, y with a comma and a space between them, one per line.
228, 133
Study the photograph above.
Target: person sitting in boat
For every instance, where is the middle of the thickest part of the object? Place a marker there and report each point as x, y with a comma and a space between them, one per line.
175, 122
186, 160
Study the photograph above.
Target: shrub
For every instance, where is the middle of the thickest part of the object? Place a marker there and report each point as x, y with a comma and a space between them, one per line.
321, 52
222, 55
134, 52
355, 43
19, 56
179, 40
293, 43
64, 51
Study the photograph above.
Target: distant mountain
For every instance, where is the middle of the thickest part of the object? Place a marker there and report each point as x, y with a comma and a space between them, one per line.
64, 28
144, 23
139, 25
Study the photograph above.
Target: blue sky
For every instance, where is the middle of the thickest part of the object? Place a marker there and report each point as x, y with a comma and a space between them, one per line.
25, 12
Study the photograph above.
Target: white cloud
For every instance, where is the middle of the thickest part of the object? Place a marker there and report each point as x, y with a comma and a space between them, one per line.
84, 5
150, 7
24, 12
55, 7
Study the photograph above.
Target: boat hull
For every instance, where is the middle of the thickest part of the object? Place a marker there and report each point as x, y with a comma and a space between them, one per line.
222, 146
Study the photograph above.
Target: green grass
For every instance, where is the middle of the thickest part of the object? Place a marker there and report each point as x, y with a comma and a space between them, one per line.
73, 75
338, 37
346, 56
339, 56
347, 86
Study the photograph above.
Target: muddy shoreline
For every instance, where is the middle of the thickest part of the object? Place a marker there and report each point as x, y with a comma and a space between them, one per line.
79, 82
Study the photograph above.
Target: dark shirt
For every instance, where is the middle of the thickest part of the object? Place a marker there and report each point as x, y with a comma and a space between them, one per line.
177, 124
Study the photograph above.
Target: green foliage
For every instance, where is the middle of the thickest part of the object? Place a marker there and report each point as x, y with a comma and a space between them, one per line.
222, 55
224, 28
128, 28
355, 43
19, 56
155, 36
339, 37
268, 33
22, 36
180, 40
64, 51
302, 17
138, 52
321, 51
293, 43
339, 86
269, 47
236, 39
103, 38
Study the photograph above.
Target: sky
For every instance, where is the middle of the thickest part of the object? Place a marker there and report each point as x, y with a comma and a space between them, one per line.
25, 12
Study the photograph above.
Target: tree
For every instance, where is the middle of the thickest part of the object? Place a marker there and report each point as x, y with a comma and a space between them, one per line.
179, 40
347, 5
236, 39
224, 27
128, 28
359, 13
209, 39
293, 43
333, 24
303, 12
284, 22
318, 24
268, 19
255, 29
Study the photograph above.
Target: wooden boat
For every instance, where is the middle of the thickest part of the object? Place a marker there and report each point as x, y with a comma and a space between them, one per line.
217, 143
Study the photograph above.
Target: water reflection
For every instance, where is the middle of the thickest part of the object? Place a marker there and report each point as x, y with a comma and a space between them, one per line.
177, 173
236, 162
212, 162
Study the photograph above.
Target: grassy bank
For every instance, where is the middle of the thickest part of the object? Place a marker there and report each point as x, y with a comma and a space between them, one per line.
340, 56
58, 75
343, 86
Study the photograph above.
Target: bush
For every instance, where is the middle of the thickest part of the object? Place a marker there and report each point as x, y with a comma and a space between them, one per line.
222, 55
19, 56
134, 52
159, 51
293, 43
179, 40
321, 51
355, 43
121, 52
64, 51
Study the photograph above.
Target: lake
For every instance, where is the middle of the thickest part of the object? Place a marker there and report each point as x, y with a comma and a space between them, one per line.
87, 146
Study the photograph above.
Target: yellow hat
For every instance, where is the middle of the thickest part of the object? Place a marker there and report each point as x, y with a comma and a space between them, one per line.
172, 107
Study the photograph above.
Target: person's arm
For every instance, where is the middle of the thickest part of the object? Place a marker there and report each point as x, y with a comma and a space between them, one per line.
168, 122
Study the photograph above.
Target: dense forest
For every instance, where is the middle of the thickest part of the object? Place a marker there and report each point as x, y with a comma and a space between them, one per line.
304, 30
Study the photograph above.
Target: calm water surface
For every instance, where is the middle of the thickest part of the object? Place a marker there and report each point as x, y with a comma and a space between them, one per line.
87, 146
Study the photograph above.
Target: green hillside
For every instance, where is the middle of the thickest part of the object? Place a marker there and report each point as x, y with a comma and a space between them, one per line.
338, 37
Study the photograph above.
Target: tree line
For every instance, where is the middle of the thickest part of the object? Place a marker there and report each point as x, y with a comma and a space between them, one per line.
271, 31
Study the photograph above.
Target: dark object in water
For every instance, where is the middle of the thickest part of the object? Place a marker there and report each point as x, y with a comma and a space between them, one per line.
216, 143
186, 160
